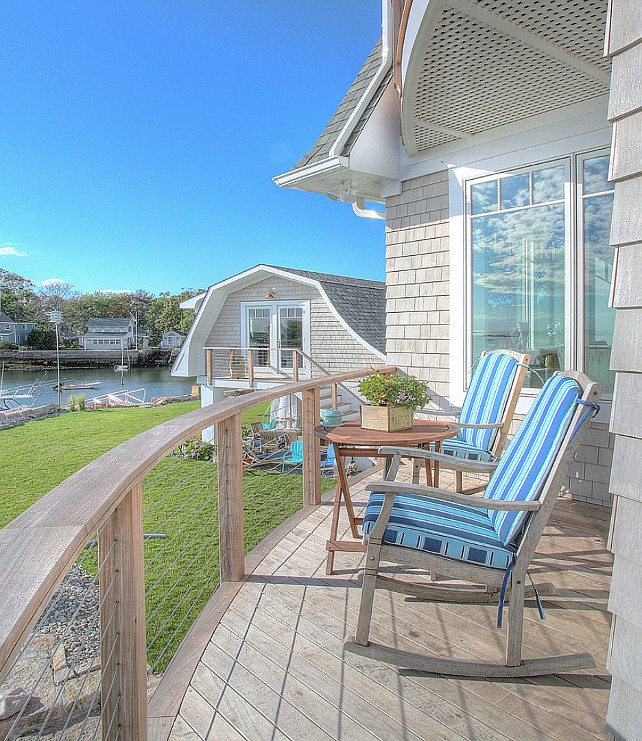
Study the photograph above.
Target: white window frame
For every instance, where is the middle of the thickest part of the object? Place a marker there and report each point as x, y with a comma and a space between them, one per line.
460, 179
274, 306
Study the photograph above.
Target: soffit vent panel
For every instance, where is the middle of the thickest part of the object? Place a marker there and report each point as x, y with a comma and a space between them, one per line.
474, 77
575, 25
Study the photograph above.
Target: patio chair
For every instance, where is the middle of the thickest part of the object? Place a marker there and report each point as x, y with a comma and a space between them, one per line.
486, 414
329, 460
251, 459
293, 456
268, 440
487, 541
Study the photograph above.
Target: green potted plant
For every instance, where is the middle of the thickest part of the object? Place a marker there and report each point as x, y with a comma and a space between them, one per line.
392, 400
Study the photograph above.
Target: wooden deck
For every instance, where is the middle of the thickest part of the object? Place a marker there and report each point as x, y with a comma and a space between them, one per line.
274, 667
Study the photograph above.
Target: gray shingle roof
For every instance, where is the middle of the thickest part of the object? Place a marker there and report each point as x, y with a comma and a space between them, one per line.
4, 319
329, 135
361, 303
116, 324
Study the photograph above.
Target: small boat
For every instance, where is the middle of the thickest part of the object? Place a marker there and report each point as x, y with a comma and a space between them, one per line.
82, 385
121, 368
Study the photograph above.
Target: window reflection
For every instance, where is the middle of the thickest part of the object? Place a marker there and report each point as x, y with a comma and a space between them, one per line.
548, 184
515, 191
518, 285
484, 197
599, 319
596, 171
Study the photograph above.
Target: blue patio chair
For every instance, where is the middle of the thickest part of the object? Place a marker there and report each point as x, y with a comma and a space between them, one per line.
487, 541
293, 456
329, 460
486, 414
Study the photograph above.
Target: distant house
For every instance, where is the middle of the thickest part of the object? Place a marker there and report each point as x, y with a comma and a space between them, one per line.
142, 338
70, 337
172, 339
109, 334
14, 332
267, 316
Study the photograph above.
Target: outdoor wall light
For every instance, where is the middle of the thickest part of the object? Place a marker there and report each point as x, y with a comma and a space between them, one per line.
335, 193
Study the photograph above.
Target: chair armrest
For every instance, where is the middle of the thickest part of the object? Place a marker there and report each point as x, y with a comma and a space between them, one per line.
487, 466
480, 427
397, 487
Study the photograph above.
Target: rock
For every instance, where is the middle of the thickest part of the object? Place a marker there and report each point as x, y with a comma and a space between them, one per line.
11, 701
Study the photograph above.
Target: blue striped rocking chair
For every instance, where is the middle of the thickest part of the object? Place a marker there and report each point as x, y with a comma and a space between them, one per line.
486, 414
486, 541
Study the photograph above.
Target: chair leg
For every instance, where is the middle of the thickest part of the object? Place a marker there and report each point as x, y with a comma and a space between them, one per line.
368, 586
459, 482
515, 622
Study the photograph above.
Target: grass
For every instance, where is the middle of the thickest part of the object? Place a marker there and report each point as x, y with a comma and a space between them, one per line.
39, 455
180, 499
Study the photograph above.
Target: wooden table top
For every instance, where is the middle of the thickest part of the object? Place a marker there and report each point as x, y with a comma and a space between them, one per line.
423, 431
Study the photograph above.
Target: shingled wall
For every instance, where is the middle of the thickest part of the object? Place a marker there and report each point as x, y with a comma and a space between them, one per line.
418, 317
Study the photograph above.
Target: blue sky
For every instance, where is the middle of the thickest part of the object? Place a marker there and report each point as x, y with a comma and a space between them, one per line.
139, 138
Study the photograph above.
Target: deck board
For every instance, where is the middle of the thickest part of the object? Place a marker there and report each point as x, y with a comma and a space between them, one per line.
274, 668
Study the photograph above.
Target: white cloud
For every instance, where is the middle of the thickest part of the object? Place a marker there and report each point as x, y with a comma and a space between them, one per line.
8, 248
50, 282
113, 290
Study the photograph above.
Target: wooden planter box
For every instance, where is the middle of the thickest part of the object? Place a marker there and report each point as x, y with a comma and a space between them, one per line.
386, 419
238, 369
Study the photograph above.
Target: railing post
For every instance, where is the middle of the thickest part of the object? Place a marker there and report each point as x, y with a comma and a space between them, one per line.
209, 366
335, 396
250, 367
311, 447
230, 499
295, 366
123, 651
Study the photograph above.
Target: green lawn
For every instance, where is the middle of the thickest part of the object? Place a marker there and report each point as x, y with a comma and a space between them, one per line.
39, 455
180, 499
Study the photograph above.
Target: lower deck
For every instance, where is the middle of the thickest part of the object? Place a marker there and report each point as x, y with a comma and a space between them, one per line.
272, 665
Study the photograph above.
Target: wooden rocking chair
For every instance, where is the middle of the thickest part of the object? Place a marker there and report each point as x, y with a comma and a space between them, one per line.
486, 414
487, 541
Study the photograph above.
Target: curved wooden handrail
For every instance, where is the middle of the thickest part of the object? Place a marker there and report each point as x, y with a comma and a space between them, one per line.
40, 545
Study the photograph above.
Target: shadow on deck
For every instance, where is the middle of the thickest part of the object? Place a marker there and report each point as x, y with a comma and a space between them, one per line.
269, 660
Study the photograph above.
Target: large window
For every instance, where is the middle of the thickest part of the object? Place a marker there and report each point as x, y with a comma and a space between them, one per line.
540, 266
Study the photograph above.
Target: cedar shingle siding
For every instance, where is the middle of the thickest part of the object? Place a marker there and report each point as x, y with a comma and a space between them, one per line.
418, 319
331, 344
624, 718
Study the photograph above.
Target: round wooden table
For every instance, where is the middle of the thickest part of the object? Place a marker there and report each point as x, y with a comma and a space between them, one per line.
351, 440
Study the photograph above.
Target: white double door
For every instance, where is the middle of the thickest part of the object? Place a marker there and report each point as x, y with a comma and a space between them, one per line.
274, 330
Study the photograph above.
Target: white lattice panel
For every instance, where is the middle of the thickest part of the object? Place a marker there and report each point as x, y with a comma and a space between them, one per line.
575, 25
475, 77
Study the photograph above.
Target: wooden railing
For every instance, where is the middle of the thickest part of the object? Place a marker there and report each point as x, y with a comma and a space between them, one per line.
242, 359
39, 547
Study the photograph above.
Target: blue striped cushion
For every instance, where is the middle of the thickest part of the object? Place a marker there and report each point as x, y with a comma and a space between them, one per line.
453, 530
528, 459
461, 449
487, 397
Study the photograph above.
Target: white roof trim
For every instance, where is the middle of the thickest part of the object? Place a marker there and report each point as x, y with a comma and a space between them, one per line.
209, 310
194, 302
386, 60
311, 172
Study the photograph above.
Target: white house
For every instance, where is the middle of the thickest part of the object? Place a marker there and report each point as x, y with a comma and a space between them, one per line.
14, 332
482, 128
272, 317
172, 339
109, 334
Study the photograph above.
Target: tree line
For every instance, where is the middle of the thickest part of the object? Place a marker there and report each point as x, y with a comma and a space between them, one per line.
23, 301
